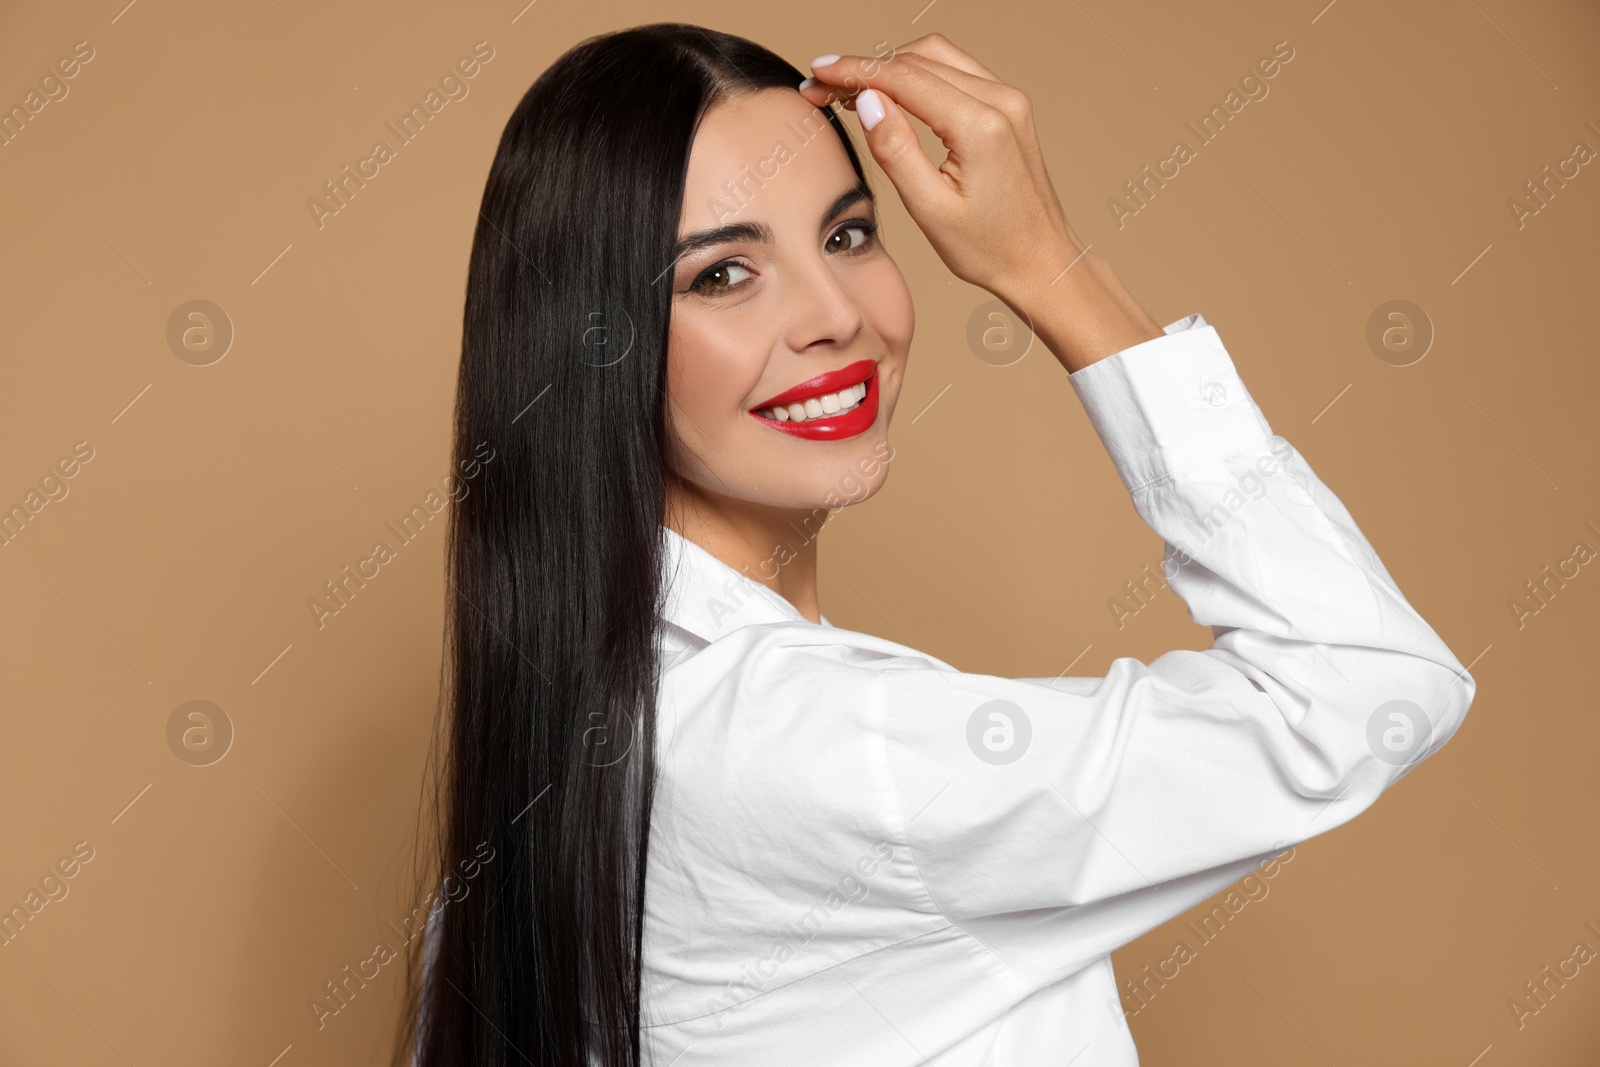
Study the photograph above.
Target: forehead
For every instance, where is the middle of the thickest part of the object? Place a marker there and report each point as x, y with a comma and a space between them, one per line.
777, 150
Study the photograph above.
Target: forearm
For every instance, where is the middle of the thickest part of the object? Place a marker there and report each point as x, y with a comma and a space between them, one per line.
1084, 314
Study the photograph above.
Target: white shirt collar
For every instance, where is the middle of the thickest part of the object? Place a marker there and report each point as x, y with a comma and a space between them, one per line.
710, 599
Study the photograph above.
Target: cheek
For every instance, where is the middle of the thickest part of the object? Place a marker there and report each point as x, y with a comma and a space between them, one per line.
711, 367
886, 301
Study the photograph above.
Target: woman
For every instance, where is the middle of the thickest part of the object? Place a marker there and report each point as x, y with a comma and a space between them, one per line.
685, 819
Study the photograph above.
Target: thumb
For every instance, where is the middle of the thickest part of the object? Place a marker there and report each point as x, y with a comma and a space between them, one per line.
893, 143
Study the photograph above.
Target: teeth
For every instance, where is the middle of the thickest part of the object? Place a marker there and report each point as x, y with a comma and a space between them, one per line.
819, 407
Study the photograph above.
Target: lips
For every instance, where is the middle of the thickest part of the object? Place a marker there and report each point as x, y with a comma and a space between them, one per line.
838, 427
827, 382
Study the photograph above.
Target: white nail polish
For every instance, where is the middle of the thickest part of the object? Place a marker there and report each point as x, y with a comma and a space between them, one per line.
869, 109
808, 83
823, 61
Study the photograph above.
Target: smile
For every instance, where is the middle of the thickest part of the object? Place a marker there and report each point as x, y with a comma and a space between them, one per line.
807, 411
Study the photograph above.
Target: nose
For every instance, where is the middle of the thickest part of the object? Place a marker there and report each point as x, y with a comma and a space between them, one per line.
820, 308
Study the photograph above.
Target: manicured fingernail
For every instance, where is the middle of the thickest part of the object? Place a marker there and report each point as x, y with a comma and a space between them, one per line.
869, 109
823, 61
808, 83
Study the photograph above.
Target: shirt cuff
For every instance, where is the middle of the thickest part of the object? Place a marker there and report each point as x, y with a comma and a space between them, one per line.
1169, 403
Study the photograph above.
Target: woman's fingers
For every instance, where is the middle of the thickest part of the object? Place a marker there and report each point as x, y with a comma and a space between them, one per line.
1008, 99
997, 94
938, 47
931, 85
964, 109
936, 52
947, 109
988, 208
893, 142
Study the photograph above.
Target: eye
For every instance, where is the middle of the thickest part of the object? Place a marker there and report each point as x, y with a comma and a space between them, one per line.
862, 228
721, 276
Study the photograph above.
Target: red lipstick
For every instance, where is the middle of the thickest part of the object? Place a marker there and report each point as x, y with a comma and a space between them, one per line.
836, 427
827, 382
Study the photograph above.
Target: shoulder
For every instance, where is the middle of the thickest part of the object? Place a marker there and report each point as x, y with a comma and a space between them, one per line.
778, 729
813, 684
792, 721
787, 683
764, 656
773, 781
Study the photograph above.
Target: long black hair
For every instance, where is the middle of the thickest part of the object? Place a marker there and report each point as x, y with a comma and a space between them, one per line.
545, 753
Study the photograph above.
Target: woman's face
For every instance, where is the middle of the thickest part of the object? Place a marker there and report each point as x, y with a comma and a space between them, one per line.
786, 292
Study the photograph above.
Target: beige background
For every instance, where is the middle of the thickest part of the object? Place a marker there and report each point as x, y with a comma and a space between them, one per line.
218, 500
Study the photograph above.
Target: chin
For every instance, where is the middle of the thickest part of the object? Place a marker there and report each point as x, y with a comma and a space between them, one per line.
863, 474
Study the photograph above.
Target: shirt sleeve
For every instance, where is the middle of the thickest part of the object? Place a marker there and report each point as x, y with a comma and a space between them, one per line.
1058, 819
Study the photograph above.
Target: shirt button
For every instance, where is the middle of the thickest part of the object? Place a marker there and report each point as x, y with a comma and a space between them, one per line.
1215, 394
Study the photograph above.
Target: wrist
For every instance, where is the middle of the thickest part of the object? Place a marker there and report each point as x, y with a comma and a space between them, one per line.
1082, 314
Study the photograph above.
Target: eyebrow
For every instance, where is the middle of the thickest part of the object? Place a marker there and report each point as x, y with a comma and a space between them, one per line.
760, 232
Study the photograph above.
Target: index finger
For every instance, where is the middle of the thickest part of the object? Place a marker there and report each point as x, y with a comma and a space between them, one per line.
944, 107
937, 46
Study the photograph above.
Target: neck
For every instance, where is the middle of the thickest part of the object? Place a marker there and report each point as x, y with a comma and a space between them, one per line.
774, 546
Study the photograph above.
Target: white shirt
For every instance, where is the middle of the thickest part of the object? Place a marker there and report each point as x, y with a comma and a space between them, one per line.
852, 864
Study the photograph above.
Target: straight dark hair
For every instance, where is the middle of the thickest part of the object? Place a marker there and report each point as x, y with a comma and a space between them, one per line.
544, 762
